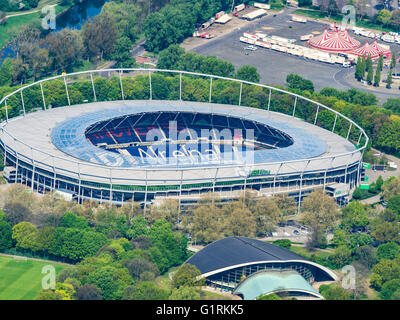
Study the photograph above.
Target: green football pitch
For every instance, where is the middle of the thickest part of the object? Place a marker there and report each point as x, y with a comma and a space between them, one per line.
22, 279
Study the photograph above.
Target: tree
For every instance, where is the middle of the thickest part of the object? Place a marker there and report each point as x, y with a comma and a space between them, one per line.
366, 255
392, 104
239, 221
340, 237
5, 235
48, 294
96, 41
89, 292
391, 187
16, 212
71, 220
43, 239
357, 194
6, 72
296, 82
76, 244
393, 61
368, 63
169, 58
386, 232
187, 275
111, 281
384, 16
286, 204
168, 210
248, 73
389, 79
122, 54
149, 291
384, 271
379, 183
24, 234
137, 267
139, 227
205, 226
341, 256
380, 63
319, 211
389, 288
360, 72
370, 75
354, 216
64, 57
358, 240
395, 19
172, 245
185, 293
388, 250
394, 204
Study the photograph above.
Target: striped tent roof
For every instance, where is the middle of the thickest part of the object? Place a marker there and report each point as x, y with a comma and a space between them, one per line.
334, 41
366, 50
385, 52
346, 36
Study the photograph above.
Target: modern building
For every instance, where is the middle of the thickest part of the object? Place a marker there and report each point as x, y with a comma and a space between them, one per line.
149, 150
250, 268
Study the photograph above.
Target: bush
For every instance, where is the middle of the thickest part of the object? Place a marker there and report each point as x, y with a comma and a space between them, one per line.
284, 243
388, 250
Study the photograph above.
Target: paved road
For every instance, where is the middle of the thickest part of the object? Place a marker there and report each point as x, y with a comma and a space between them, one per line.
138, 48
274, 66
345, 77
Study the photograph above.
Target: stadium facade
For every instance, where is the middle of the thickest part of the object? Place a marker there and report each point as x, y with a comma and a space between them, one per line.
250, 268
149, 150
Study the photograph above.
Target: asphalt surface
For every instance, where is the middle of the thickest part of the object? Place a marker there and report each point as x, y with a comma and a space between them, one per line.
274, 66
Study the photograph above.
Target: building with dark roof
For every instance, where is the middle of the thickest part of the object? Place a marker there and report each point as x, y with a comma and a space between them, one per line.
250, 267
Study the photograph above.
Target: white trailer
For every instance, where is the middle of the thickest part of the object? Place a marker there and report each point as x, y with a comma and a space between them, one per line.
240, 7
254, 14
299, 19
306, 37
224, 19
262, 6
247, 40
250, 36
388, 38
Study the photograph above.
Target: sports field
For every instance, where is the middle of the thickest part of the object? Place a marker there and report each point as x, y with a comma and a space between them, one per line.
21, 279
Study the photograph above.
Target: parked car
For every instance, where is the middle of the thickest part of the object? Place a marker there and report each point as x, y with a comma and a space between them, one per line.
252, 48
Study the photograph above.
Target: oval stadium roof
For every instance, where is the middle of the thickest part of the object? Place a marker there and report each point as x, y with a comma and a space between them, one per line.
233, 252
265, 282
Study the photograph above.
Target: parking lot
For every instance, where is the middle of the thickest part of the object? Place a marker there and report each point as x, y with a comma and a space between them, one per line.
274, 66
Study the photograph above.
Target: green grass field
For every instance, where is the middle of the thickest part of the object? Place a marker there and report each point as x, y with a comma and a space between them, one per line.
21, 279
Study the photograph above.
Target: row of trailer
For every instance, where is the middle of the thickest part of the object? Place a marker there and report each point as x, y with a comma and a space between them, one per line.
288, 46
391, 37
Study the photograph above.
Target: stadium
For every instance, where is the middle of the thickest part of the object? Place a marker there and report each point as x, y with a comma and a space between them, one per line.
151, 149
250, 268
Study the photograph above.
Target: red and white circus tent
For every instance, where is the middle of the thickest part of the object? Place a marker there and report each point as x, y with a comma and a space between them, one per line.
344, 34
366, 50
381, 50
334, 41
